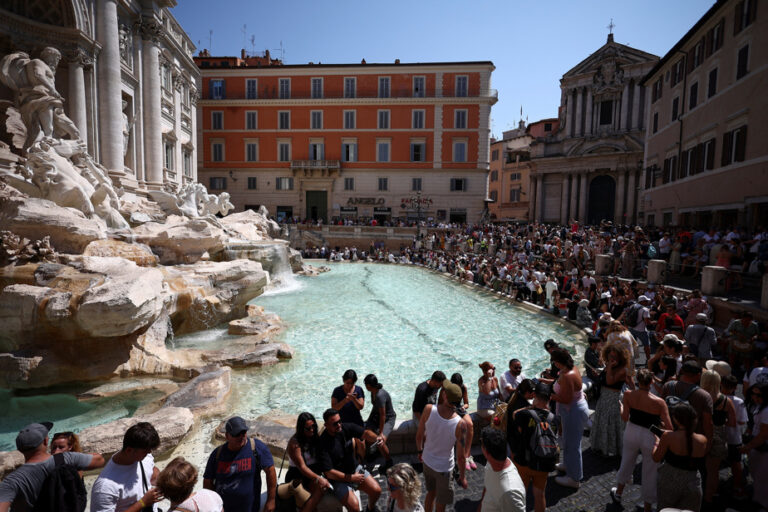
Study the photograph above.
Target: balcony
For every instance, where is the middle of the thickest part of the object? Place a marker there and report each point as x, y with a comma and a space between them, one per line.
316, 168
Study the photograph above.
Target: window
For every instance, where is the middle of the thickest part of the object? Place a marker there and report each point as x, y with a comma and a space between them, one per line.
383, 119
187, 162
316, 151
744, 15
494, 155
384, 87
742, 62
284, 120
217, 150
382, 151
317, 88
284, 151
169, 149
418, 152
515, 176
252, 152
655, 122
656, 91
415, 184
547, 127
697, 55
494, 175
461, 86
734, 146
460, 119
418, 119
694, 96
383, 184
349, 152
285, 88
316, 119
349, 183
251, 89
458, 184
166, 76
251, 183
514, 195
251, 120
418, 87
217, 120
715, 38
606, 112
712, 85
216, 89
349, 87
494, 195
709, 154
459, 151
678, 72
349, 119
217, 184
284, 184
675, 108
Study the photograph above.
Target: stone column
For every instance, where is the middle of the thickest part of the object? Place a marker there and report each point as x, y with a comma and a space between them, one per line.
579, 112
150, 30
532, 198
540, 198
588, 130
574, 198
564, 200
625, 108
110, 96
583, 200
631, 192
78, 59
636, 121
569, 111
619, 214
178, 84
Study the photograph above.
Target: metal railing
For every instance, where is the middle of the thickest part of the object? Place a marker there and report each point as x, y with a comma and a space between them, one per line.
316, 164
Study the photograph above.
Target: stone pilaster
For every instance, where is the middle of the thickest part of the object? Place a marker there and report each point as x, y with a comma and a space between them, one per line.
564, 199
618, 216
110, 96
631, 194
540, 198
574, 198
150, 30
583, 198
636, 114
78, 60
625, 108
589, 116
569, 111
579, 112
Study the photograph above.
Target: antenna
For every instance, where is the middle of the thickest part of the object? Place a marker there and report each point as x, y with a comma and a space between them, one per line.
243, 31
282, 52
210, 40
253, 43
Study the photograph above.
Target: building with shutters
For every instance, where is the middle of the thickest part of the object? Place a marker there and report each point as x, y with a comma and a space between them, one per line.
327, 141
706, 159
590, 168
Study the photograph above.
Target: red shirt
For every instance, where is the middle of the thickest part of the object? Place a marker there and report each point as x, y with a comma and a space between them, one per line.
666, 321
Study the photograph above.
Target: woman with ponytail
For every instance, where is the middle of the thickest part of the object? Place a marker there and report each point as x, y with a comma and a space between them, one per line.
682, 450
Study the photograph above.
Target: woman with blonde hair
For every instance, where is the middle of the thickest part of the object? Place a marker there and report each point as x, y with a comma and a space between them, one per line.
404, 489
618, 334
176, 483
723, 415
607, 427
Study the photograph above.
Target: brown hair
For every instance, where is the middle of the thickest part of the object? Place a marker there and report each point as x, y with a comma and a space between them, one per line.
72, 440
644, 377
177, 480
621, 354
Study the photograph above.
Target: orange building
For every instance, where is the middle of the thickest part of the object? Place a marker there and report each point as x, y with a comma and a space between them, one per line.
323, 141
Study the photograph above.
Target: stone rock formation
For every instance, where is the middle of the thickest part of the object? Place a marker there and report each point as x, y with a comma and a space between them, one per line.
205, 394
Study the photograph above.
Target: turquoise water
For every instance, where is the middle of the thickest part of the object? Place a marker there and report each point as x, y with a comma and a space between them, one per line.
398, 322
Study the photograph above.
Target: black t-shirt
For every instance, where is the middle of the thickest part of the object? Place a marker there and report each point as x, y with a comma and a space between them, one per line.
424, 395
512, 434
527, 427
337, 452
349, 413
381, 400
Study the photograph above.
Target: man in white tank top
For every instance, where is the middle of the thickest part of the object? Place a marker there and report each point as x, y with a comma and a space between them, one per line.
440, 429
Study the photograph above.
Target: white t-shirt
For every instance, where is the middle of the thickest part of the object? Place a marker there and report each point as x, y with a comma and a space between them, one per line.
119, 486
203, 500
416, 508
504, 490
733, 434
507, 379
760, 418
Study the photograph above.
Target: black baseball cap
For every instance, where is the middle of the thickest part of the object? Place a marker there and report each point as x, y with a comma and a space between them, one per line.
236, 426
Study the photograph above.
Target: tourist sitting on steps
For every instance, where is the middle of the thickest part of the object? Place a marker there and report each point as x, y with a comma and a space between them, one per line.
349, 399
381, 421
303, 460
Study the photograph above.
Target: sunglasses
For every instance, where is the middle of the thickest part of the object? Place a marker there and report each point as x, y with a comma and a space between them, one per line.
309, 428
392, 488
63, 434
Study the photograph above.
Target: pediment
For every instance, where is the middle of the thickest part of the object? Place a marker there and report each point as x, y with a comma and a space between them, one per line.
622, 55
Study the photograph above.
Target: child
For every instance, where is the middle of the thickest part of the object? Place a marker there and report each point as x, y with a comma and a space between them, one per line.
733, 434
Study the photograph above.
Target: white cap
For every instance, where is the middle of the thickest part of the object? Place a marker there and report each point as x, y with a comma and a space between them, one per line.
643, 298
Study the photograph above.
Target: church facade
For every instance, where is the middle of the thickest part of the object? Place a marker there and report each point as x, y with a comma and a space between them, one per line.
589, 170
127, 78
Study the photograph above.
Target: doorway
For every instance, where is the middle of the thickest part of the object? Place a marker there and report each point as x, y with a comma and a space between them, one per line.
602, 199
317, 205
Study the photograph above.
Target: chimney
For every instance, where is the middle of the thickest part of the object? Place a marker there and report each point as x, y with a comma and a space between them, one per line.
397, 61
362, 61
242, 53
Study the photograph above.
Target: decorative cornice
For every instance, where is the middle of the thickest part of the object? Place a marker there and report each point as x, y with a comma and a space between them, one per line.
473, 100
79, 56
149, 28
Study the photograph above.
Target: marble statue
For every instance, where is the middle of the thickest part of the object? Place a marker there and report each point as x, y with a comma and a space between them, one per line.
127, 125
193, 200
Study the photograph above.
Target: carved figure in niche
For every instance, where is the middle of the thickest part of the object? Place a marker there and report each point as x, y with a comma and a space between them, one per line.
126, 45
127, 126
39, 103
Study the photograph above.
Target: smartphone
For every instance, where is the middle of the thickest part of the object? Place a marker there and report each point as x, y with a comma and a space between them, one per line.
656, 430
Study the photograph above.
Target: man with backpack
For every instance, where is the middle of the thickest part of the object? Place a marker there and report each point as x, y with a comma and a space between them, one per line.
536, 453
635, 317
44, 480
687, 389
504, 491
234, 470
127, 482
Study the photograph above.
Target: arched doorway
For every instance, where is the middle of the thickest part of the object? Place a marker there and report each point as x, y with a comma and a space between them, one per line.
602, 199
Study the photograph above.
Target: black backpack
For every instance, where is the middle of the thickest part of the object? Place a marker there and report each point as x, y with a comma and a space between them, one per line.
63, 490
543, 450
633, 315
674, 400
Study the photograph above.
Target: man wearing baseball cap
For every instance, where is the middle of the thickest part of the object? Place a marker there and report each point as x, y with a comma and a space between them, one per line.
635, 318
701, 338
21, 488
443, 429
234, 470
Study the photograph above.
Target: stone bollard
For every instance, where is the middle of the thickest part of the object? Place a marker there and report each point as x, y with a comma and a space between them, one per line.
603, 263
764, 296
713, 280
657, 271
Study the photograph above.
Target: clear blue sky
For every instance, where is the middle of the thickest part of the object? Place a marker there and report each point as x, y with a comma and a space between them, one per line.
532, 44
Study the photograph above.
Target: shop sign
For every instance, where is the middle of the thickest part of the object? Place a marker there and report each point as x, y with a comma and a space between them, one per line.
382, 210
415, 202
347, 209
368, 201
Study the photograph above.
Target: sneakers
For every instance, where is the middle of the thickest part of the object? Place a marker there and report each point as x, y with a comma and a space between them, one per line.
560, 466
567, 481
615, 497
471, 463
